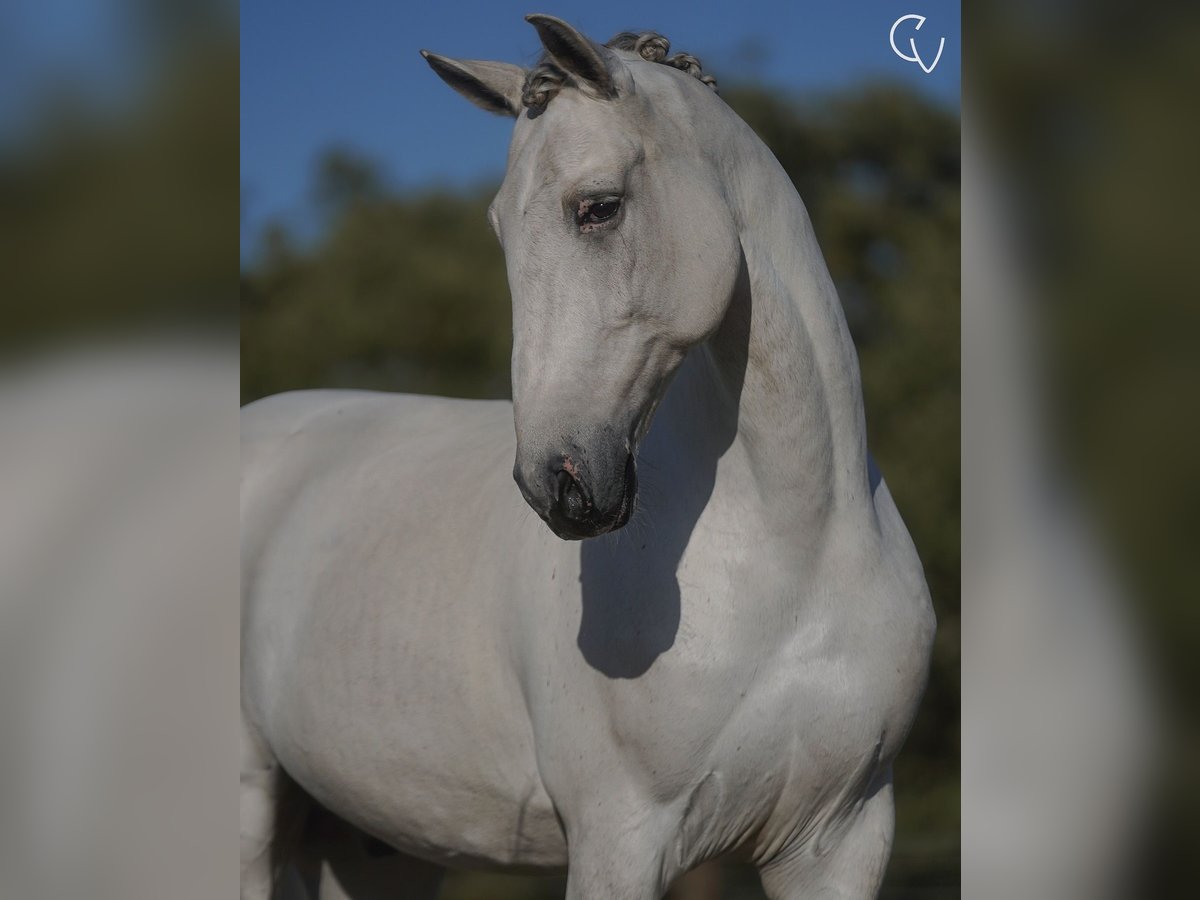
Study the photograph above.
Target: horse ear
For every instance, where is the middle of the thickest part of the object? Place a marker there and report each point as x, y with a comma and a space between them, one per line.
494, 86
574, 53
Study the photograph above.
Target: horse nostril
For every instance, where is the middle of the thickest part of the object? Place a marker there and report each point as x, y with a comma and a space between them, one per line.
571, 501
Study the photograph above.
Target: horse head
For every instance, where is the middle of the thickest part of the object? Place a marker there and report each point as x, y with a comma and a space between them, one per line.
621, 248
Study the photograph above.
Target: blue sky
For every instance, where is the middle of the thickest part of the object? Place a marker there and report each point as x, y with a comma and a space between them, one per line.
317, 74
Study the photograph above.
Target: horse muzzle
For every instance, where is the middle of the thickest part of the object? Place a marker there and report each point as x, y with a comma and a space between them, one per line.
576, 500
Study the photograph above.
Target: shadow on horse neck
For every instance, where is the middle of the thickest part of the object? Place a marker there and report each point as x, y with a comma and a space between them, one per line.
631, 592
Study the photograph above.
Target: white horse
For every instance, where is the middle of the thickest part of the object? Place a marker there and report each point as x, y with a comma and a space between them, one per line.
731, 674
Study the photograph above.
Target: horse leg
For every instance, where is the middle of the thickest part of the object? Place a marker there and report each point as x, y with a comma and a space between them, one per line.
852, 869
271, 818
619, 861
616, 878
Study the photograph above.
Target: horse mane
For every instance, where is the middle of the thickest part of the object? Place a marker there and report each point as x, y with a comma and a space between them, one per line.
545, 79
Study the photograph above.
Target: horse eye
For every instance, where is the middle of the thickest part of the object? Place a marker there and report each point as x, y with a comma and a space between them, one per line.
598, 211
605, 209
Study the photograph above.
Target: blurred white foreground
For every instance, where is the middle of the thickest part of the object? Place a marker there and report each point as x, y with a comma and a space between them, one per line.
118, 624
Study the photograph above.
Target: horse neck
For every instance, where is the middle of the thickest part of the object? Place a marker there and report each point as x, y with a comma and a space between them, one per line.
785, 355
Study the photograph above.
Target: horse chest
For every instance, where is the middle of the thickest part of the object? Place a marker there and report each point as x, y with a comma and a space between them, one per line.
711, 689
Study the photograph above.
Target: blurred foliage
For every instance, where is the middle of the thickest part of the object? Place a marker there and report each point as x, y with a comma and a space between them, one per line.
1108, 224
112, 223
1082, 112
409, 293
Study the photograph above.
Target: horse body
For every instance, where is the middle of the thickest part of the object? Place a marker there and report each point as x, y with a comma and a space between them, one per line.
732, 671
380, 647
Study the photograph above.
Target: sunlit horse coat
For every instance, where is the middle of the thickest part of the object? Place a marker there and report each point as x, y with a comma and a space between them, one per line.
733, 671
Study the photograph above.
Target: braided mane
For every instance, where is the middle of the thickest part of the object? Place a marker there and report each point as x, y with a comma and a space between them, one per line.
546, 79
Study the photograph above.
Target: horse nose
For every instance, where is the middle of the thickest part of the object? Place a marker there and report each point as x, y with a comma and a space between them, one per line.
575, 499
571, 498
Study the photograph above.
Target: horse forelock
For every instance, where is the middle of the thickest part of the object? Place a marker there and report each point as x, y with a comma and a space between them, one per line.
546, 79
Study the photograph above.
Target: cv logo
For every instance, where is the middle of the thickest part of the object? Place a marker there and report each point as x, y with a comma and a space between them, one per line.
912, 43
